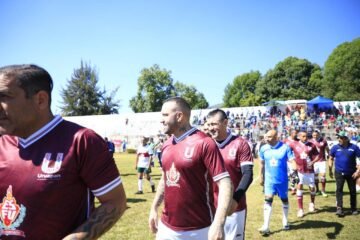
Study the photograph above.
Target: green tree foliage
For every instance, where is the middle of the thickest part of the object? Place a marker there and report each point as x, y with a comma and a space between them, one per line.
290, 79
242, 91
191, 95
342, 72
155, 85
81, 96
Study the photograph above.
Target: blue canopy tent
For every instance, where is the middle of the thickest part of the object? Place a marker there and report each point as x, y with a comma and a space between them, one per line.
320, 104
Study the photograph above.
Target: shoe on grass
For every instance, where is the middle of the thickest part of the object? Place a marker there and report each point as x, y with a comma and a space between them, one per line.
340, 212
264, 231
286, 227
311, 207
300, 213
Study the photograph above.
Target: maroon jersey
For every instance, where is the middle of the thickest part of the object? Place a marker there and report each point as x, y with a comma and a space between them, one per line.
291, 142
321, 145
48, 181
236, 153
191, 164
304, 153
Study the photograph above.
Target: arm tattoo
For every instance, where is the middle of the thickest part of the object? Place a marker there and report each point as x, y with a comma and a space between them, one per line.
159, 197
102, 219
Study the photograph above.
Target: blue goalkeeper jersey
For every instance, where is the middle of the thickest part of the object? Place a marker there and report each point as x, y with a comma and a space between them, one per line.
276, 158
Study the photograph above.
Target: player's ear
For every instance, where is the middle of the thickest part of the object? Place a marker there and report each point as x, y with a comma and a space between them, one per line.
179, 116
226, 121
41, 99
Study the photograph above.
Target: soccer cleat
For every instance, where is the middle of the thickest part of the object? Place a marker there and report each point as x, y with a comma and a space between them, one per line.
354, 212
339, 212
311, 207
264, 231
300, 213
324, 194
153, 188
286, 227
139, 192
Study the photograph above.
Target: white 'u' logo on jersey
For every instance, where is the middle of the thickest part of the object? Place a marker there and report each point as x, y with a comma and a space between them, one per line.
232, 152
46, 162
189, 151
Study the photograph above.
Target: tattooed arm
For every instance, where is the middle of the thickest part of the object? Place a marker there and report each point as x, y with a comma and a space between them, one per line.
159, 198
113, 205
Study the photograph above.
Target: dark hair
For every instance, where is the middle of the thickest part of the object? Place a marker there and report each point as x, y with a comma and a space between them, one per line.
30, 78
182, 103
218, 111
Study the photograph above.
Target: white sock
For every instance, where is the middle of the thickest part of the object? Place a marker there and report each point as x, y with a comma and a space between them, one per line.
151, 182
285, 214
140, 187
267, 214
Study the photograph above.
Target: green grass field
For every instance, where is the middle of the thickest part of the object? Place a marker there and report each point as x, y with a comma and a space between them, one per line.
323, 224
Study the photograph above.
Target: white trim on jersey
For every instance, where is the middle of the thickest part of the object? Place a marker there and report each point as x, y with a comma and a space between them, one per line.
247, 163
228, 138
41, 132
182, 137
221, 176
108, 187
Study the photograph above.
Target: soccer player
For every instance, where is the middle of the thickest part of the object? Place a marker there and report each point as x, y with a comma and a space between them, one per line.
239, 163
274, 157
320, 165
346, 169
143, 159
192, 163
291, 141
51, 169
306, 155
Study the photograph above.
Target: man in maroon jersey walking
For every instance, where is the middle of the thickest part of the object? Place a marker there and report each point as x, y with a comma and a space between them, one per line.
51, 169
192, 163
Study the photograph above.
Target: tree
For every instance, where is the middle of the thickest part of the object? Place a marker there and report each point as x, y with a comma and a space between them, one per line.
81, 96
290, 80
155, 85
342, 72
195, 99
242, 91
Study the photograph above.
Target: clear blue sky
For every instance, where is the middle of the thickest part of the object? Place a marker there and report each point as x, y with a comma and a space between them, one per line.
203, 43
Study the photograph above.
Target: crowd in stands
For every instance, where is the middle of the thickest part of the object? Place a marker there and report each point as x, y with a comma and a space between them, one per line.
252, 125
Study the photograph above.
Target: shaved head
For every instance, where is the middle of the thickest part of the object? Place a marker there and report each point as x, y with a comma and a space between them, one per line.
181, 105
271, 137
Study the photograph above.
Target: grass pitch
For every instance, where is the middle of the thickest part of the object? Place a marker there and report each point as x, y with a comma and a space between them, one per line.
322, 224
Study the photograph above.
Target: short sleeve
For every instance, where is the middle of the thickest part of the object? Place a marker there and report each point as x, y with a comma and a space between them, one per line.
332, 151
96, 165
245, 154
289, 153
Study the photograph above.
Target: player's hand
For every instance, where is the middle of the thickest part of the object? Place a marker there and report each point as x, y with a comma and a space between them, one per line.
232, 207
355, 175
331, 174
216, 232
153, 221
